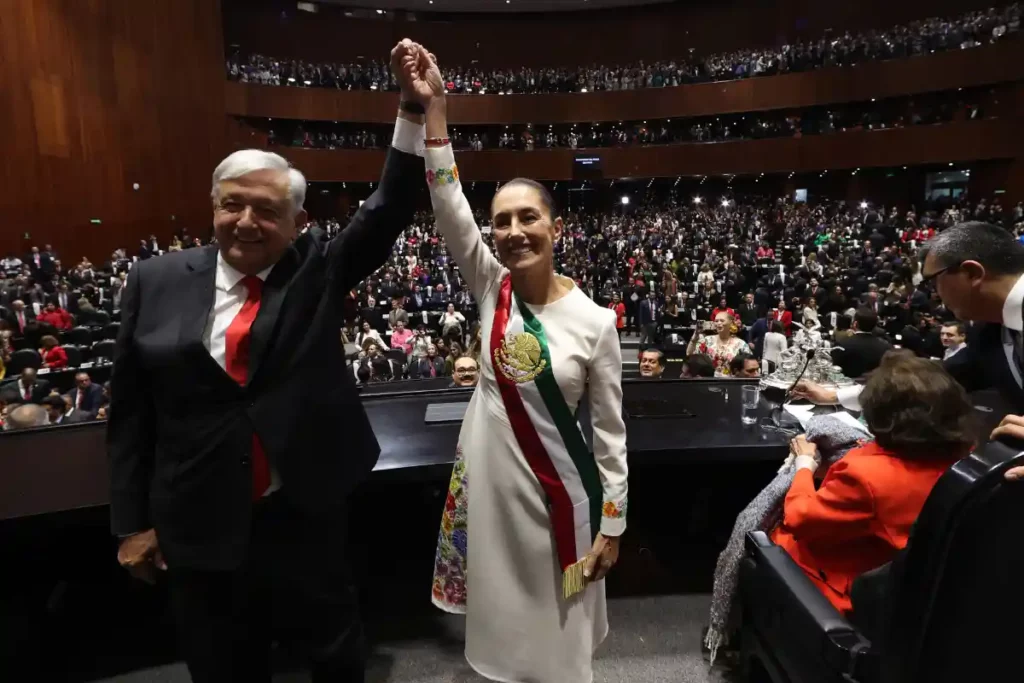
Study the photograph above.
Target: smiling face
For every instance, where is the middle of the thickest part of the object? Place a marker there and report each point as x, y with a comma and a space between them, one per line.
524, 229
253, 220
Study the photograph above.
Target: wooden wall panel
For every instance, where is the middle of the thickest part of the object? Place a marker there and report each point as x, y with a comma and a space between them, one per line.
275, 27
999, 63
98, 95
954, 142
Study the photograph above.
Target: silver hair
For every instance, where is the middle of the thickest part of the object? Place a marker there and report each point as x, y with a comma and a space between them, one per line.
246, 161
27, 416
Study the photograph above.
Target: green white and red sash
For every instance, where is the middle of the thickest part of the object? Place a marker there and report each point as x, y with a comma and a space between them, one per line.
547, 432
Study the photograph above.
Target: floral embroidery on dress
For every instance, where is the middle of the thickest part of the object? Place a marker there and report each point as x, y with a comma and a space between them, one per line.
721, 354
443, 176
449, 586
610, 509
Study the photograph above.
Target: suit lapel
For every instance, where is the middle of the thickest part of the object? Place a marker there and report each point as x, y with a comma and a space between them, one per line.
197, 298
275, 289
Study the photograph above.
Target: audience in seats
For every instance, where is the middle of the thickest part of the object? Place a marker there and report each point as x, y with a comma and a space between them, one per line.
863, 511
652, 363
861, 352
920, 37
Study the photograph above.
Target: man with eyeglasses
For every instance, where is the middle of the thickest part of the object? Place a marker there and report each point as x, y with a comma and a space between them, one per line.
466, 372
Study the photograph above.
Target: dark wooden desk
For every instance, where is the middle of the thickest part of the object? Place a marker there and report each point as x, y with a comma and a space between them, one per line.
55, 469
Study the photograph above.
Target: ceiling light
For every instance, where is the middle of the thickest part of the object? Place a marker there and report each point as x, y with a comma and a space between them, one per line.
380, 11
625, 198
863, 205
696, 200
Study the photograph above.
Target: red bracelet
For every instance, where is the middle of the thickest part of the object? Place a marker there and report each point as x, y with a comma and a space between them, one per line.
436, 142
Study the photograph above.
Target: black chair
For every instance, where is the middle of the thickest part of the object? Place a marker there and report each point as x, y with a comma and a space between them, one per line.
952, 597
79, 336
23, 358
111, 330
74, 355
100, 318
103, 349
85, 352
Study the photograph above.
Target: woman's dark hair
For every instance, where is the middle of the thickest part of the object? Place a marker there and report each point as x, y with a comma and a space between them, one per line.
776, 327
545, 197
916, 409
699, 365
843, 322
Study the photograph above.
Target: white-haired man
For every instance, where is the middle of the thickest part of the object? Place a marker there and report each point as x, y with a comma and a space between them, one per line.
224, 469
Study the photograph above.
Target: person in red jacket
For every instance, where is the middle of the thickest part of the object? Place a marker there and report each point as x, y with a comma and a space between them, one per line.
784, 317
620, 312
862, 513
57, 317
53, 355
723, 307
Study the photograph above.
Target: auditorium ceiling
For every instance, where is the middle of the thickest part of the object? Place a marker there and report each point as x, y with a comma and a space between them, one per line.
490, 5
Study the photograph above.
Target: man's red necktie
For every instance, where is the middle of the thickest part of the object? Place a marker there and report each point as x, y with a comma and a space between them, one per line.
28, 393
236, 363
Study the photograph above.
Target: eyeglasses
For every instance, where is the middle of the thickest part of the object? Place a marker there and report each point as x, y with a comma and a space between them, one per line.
940, 271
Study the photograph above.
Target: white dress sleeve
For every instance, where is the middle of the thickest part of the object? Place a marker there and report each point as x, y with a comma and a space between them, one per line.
455, 221
605, 375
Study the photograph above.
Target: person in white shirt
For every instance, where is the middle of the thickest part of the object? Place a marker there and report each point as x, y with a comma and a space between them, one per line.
369, 334
954, 338
452, 322
774, 343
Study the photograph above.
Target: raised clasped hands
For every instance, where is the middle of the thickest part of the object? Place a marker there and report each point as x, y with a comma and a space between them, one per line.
418, 75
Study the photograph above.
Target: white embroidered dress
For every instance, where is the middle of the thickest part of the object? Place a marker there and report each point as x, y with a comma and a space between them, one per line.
519, 627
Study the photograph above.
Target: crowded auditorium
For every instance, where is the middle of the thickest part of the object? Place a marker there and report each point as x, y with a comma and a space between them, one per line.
280, 278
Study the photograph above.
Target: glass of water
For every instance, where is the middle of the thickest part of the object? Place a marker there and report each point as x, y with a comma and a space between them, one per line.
750, 395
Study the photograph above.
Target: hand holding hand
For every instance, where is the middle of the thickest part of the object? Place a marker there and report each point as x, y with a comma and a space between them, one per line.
1012, 426
410, 63
140, 555
601, 558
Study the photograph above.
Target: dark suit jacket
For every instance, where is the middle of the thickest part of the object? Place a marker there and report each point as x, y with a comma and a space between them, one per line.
860, 354
91, 401
77, 417
12, 392
181, 430
986, 365
423, 367
645, 316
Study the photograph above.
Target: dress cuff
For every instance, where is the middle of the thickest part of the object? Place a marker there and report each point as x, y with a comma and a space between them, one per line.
408, 137
613, 517
441, 168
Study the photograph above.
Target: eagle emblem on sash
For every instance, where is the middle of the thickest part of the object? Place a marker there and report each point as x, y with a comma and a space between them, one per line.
519, 358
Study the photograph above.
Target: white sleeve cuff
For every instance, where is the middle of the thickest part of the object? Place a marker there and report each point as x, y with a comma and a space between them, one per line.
409, 137
849, 397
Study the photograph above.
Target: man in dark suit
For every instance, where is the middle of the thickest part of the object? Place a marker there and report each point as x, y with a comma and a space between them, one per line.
86, 396
63, 413
862, 352
648, 316
28, 388
20, 317
222, 471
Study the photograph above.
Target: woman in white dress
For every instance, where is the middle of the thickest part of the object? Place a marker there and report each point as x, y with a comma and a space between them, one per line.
533, 518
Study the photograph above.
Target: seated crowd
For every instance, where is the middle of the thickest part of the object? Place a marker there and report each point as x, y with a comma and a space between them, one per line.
883, 115
917, 38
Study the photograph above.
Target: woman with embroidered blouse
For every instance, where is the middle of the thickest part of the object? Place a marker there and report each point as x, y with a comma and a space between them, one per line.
533, 517
722, 347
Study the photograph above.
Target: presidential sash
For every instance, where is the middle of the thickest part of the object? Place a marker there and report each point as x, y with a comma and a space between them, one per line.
547, 432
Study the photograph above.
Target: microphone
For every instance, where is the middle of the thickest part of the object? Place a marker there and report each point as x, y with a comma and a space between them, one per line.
789, 392
779, 417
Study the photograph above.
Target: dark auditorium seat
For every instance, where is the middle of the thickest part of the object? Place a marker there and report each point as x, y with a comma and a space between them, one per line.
953, 597
103, 349
74, 355
23, 358
111, 330
100, 319
79, 336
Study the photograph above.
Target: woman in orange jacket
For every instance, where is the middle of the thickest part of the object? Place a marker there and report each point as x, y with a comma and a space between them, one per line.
620, 312
863, 511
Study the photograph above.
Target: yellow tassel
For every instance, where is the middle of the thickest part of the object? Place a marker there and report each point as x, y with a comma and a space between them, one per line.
573, 581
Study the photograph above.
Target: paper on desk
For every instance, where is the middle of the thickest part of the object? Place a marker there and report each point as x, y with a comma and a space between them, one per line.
803, 415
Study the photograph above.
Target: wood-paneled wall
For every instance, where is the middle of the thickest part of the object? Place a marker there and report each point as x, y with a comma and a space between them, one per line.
999, 63
98, 95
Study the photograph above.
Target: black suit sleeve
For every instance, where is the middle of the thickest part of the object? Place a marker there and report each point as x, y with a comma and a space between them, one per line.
130, 429
364, 246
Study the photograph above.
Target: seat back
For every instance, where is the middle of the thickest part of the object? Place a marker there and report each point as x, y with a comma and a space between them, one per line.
111, 330
957, 596
79, 336
74, 355
100, 318
23, 358
103, 349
